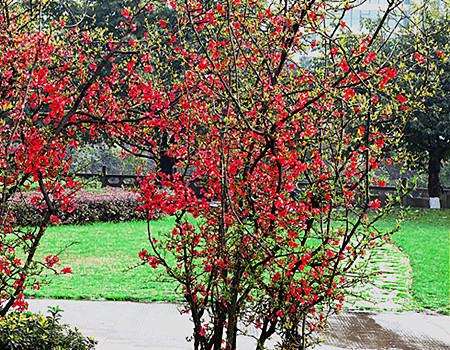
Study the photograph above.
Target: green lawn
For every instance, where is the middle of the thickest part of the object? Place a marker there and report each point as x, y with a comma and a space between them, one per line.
100, 261
103, 253
425, 238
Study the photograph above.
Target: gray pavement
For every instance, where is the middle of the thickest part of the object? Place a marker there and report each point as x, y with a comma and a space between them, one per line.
156, 326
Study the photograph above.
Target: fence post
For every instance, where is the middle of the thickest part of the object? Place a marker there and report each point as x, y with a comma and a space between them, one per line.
404, 196
445, 202
103, 177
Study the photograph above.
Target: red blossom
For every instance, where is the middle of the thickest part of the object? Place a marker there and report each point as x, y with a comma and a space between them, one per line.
51, 260
66, 270
419, 58
163, 23
125, 13
375, 204
344, 66
401, 99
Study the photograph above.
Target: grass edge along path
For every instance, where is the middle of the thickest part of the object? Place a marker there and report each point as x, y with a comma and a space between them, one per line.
425, 238
389, 288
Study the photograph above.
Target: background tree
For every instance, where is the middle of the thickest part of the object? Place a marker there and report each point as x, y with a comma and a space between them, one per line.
424, 46
106, 16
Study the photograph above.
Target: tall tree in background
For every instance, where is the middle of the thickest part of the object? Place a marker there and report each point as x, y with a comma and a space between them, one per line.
425, 51
106, 16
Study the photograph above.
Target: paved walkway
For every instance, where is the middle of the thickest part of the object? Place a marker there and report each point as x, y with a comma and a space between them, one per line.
390, 286
137, 326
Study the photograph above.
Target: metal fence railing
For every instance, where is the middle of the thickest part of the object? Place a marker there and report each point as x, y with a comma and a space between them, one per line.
417, 198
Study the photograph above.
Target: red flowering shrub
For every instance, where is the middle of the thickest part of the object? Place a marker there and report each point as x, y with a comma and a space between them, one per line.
265, 96
113, 205
248, 99
34, 92
50, 76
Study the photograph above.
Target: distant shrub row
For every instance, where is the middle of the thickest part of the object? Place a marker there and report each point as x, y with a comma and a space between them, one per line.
112, 204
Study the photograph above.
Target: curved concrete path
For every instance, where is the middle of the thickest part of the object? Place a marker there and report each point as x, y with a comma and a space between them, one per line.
138, 326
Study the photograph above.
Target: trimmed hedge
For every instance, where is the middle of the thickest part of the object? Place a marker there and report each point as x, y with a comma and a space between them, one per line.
28, 331
114, 204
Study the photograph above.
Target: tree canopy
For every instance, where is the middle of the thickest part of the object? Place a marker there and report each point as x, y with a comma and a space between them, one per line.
425, 49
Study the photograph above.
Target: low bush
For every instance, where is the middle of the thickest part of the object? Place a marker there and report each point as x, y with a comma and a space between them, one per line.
28, 331
111, 205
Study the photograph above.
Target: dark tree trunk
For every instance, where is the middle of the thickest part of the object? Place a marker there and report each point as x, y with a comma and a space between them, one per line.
434, 168
166, 163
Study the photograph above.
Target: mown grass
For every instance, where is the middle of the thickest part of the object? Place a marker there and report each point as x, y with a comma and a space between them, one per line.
104, 252
101, 259
425, 238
